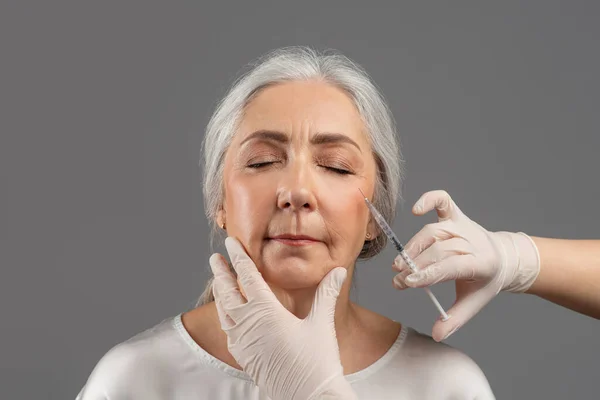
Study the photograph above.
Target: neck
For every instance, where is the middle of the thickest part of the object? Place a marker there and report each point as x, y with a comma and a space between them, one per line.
362, 335
350, 327
299, 302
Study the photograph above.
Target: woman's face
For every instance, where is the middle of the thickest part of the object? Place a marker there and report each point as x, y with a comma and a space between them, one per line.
291, 177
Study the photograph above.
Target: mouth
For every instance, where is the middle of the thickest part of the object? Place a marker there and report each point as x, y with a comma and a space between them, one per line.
295, 240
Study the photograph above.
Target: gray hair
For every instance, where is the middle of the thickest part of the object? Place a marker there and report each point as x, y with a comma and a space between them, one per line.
299, 63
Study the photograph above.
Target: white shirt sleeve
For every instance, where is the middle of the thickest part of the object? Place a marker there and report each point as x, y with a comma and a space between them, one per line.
102, 375
463, 378
120, 369
448, 372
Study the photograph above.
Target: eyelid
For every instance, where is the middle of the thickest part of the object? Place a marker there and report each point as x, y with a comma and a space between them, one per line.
263, 155
331, 161
335, 162
262, 159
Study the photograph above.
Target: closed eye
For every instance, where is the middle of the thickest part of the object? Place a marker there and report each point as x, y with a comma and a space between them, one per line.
339, 171
260, 164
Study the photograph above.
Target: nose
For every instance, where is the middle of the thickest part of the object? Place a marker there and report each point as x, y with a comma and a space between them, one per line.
296, 191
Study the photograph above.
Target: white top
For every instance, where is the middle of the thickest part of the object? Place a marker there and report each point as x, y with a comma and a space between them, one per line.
164, 362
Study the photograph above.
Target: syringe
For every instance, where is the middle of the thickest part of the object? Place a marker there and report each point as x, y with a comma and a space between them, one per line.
392, 236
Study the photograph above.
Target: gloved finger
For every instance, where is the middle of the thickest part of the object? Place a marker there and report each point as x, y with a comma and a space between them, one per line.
445, 207
327, 293
399, 265
399, 280
462, 267
461, 312
251, 280
451, 268
224, 319
439, 251
225, 282
436, 253
427, 236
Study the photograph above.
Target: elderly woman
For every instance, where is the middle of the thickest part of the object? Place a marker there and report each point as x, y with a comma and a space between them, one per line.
285, 153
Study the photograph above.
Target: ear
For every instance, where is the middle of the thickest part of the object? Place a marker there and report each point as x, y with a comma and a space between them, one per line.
372, 228
221, 220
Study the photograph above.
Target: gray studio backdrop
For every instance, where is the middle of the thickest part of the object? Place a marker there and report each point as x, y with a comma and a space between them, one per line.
103, 110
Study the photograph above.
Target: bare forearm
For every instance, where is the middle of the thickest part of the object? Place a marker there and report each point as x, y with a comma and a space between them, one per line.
569, 274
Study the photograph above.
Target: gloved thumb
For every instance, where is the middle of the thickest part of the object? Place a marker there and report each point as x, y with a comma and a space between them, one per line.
327, 293
460, 313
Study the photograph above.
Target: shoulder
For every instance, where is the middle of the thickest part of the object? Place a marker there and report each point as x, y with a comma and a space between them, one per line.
132, 363
446, 366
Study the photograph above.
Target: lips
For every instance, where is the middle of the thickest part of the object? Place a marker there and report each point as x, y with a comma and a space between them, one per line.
295, 237
295, 240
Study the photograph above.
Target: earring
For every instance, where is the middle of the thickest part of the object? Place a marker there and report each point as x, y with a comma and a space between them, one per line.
368, 235
223, 225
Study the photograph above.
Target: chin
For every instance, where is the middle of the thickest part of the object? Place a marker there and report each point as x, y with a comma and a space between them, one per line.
292, 272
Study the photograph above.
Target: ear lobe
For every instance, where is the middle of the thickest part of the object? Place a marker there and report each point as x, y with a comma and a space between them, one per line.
221, 218
372, 229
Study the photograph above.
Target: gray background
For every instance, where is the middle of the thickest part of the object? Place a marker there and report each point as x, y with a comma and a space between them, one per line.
103, 109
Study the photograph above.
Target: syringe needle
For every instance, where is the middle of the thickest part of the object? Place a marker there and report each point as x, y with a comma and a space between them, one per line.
392, 236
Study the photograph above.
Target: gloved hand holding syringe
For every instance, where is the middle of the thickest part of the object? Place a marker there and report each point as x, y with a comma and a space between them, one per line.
392, 236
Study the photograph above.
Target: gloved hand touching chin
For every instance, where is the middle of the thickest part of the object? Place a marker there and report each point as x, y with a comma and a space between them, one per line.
288, 357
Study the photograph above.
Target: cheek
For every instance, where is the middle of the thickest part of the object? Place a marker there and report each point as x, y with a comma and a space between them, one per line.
247, 205
346, 210
343, 196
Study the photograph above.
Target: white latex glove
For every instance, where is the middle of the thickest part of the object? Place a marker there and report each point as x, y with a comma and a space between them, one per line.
456, 248
288, 357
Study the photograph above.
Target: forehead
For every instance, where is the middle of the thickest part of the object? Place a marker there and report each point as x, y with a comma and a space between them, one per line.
303, 107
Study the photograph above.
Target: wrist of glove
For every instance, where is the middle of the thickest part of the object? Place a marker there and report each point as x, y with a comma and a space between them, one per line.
521, 260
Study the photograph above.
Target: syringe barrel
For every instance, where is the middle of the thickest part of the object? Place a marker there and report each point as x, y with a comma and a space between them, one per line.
411, 264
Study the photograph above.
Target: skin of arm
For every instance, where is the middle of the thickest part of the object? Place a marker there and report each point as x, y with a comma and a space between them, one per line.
569, 274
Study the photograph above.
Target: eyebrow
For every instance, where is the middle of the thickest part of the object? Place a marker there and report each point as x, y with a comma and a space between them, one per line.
318, 138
